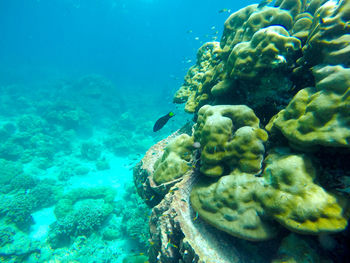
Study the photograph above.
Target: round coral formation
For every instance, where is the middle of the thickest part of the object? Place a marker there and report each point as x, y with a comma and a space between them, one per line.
175, 161
231, 140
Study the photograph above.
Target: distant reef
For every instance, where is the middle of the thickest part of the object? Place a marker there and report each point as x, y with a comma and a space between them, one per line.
264, 174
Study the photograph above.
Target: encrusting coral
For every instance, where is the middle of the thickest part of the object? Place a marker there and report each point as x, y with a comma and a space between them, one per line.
328, 40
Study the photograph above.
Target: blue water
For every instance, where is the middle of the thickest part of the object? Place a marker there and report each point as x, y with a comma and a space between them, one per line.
81, 85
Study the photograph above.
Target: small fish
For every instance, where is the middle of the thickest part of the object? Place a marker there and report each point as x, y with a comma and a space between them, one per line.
196, 217
196, 38
152, 197
171, 245
189, 31
212, 28
225, 10
162, 121
264, 3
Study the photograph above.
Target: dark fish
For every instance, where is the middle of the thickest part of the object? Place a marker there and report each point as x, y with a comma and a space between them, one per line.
162, 121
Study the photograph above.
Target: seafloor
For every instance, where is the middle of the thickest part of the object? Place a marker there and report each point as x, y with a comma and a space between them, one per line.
67, 151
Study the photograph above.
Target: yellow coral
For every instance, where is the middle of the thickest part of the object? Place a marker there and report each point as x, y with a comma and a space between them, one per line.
195, 90
268, 49
328, 40
175, 161
291, 196
229, 203
318, 116
230, 138
242, 25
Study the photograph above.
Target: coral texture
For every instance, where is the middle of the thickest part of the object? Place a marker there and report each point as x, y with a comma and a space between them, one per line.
318, 116
175, 160
231, 140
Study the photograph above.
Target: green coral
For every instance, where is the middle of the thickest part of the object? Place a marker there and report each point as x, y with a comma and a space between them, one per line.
232, 147
80, 212
318, 116
196, 89
270, 49
18, 206
9, 170
175, 161
135, 216
230, 204
250, 66
231, 140
292, 197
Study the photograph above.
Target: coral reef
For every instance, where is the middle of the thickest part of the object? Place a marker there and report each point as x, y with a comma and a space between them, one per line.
199, 77
18, 246
231, 140
135, 215
27, 195
175, 160
318, 116
289, 64
8, 171
250, 66
80, 212
291, 196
